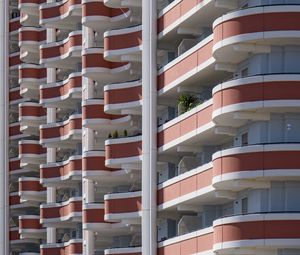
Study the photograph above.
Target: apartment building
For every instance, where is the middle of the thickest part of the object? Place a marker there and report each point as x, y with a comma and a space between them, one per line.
150, 127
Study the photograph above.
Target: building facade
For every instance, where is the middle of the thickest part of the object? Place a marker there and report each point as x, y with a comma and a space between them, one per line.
144, 127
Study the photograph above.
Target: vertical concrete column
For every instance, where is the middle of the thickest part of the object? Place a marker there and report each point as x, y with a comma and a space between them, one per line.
51, 152
4, 140
88, 144
149, 127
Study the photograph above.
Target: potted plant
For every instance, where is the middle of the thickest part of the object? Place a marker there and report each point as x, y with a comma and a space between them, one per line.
186, 102
125, 133
115, 134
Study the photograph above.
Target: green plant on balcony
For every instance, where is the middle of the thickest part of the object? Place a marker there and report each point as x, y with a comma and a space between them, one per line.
115, 134
125, 133
186, 102
109, 136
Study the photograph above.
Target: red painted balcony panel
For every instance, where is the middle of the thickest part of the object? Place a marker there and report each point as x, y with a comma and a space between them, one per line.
255, 161
53, 93
31, 35
14, 165
29, 72
14, 199
122, 205
121, 42
30, 227
61, 171
120, 96
31, 111
74, 246
30, 184
99, 17
93, 213
247, 94
31, 152
188, 62
93, 116
197, 242
175, 13
259, 25
123, 150
93, 162
62, 54
95, 67
59, 10
55, 132
64, 211
14, 131
14, 60
14, 25
14, 234
197, 180
257, 230
189, 122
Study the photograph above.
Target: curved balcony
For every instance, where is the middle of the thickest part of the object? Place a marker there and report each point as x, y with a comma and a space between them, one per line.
31, 116
61, 173
30, 78
254, 30
94, 117
31, 153
185, 15
16, 203
123, 3
64, 94
99, 17
93, 167
93, 217
259, 231
14, 61
60, 214
30, 7
14, 97
183, 129
188, 68
95, 67
15, 132
64, 14
30, 189
127, 251
74, 246
194, 186
14, 25
18, 242
120, 151
30, 38
14, 166
30, 227
62, 54
254, 96
16, 169
67, 132
123, 44
120, 206
198, 242
123, 97
245, 167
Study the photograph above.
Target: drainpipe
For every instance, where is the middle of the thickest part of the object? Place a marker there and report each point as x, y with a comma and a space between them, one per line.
149, 127
4, 141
